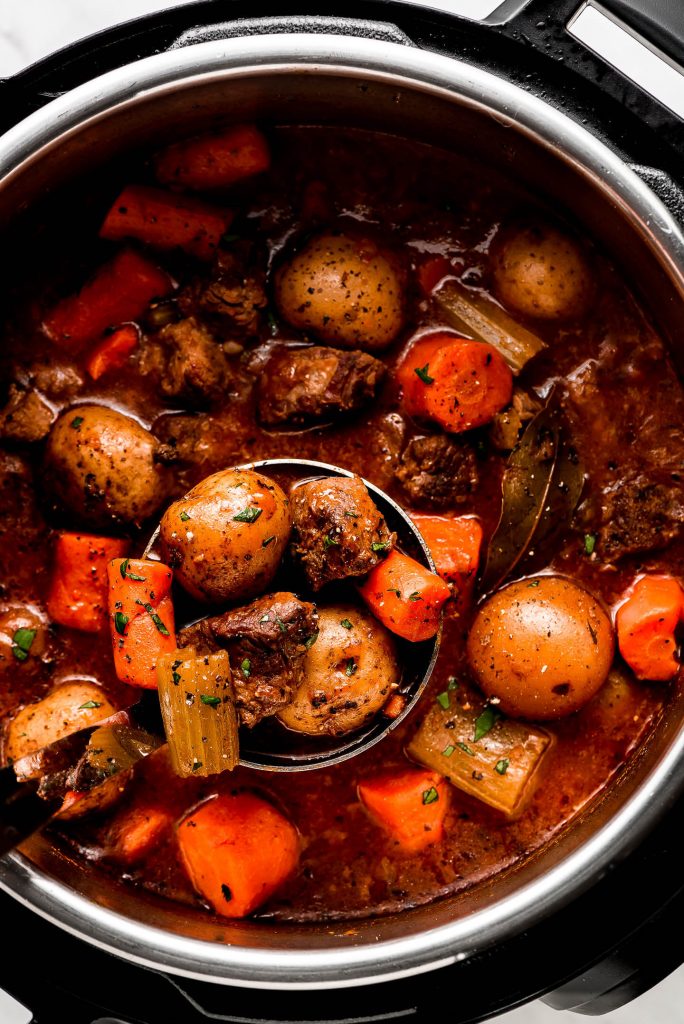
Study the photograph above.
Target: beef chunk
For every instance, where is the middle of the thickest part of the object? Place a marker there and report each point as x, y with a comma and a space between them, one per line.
235, 293
338, 530
266, 641
25, 416
507, 425
302, 384
193, 365
641, 514
437, 471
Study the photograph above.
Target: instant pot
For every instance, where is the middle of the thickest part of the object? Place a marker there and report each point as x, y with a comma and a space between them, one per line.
592, 920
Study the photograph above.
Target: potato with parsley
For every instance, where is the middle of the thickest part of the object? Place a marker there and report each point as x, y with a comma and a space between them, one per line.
350, 671
343, 289
225, 539
541, 272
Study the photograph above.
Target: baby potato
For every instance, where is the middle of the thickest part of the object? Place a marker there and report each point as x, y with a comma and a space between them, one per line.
101, 466
541, 646
344, 290
23, 635
225, 539
349, 673
540, 272
71, 706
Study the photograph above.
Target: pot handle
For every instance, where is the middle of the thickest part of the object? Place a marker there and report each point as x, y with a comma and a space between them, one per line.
318, 24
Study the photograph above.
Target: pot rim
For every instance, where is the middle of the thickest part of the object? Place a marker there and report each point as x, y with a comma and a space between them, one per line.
444, 76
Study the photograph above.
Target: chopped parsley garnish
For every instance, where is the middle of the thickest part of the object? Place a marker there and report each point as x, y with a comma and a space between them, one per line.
126, 575
227, 894
502, 766
311, 640
120, 623
352, 514
248, 515
90, 704
184, 517
430, 796
76, 422
346, 623
452, 683
228, 238
422, 372
272, 322
265, 618
246, 667
175, 676
329, 541
281, 625
443, 700
155, 618
448, 750
351, 668
196, 765
380, 545
534, 583
267, 541
589, 543
212, 702
466, 749
485, 721
415, 596
21, 643
392, 590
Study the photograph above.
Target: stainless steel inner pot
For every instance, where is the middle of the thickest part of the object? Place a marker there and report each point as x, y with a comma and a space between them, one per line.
330, 79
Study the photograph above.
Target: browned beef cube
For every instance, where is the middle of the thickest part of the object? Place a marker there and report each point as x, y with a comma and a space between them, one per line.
194, 366
437, 471
266, 641
305, 384
234, 294
338, 530
641, 514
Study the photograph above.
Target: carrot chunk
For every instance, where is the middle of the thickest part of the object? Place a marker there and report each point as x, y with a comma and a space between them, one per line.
459, 384
433, 270
141, 618
646, 622
136, 831
409, 803
165, 220
237, 850
214, 161
121, 290
78, 587
405, 596
113, 351
454, 545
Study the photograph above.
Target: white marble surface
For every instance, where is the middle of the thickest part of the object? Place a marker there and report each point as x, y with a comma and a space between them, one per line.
30, 29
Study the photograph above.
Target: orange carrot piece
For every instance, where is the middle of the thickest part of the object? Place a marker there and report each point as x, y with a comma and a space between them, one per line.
459, 384
121, 290
405, 596
414, 365
78, 588
136, 831
165, 220
141, 618
214, 161
433, 270
646, 622
237, 850
409, 803
113, 351
454, 545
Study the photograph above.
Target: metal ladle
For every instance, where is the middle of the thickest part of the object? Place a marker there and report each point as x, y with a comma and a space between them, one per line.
270, 746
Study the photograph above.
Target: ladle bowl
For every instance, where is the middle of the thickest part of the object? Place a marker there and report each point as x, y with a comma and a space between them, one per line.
270, 746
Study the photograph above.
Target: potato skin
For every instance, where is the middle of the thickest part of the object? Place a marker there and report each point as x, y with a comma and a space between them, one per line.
542, 646
540, 272
100, 465
344, 290
348, 674
61, 712
217, 557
